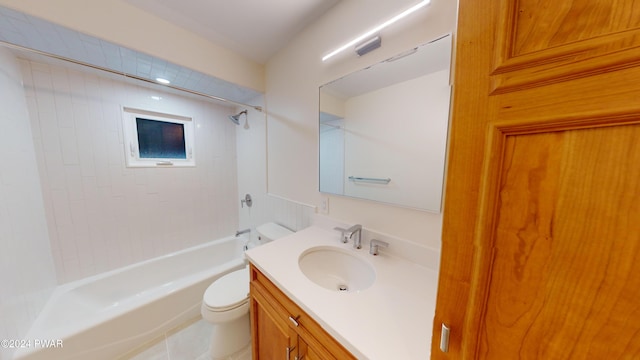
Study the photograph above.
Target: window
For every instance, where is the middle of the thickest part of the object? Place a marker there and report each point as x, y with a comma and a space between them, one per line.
155, 139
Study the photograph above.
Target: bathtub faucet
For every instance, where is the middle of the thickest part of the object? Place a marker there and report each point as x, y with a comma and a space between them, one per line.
240, 232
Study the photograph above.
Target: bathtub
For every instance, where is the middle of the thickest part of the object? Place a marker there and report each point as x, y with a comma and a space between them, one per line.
107, 315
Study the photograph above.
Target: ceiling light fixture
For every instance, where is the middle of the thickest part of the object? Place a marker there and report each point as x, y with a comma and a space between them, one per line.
376, 29
163, 81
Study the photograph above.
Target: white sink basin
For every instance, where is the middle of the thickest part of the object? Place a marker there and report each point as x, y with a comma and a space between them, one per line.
336, 269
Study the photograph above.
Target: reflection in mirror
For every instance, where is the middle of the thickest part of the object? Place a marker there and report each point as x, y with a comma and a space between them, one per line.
383, 129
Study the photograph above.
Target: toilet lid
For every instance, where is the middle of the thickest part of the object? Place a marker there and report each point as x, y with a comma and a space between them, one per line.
229, 290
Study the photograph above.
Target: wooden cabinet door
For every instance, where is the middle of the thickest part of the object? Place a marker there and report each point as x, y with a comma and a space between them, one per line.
271, 333
541, 234
278, 324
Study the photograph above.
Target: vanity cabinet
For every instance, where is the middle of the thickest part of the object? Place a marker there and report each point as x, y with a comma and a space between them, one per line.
281, 330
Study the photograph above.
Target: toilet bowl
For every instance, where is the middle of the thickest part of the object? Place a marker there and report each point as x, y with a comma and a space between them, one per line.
225, 304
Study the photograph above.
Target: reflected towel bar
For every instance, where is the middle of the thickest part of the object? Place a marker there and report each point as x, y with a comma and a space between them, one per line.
370, 180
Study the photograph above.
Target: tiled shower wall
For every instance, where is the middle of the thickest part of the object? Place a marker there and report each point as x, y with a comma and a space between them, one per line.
252, 179
102, 215
27, 275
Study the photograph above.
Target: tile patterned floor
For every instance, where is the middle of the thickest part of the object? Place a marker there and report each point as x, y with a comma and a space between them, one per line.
187, 342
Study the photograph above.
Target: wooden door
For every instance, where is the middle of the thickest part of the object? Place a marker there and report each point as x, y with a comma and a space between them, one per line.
541, 235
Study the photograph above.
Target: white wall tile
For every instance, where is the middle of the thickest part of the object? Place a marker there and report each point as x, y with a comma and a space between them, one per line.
73, 175
62, 99
104, 215
26, 262
252, 168
96, 214
68, 146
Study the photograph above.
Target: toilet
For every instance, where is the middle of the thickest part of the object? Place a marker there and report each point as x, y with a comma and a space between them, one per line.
225, 303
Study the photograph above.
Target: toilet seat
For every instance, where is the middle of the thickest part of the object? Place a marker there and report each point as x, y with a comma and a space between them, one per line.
228, 292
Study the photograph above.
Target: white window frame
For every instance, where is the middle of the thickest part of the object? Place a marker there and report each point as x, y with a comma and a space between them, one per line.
132, 148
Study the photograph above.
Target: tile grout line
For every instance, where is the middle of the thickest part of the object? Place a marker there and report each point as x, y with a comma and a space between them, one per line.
166, 346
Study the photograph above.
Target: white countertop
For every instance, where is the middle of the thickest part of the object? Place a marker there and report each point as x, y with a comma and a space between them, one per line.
390, 320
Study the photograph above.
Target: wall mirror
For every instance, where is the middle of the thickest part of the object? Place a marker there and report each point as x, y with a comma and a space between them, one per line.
383, 129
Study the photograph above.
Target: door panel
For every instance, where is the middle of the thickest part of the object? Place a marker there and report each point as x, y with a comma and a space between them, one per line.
563, 277
540, 25
541, 42
541, 229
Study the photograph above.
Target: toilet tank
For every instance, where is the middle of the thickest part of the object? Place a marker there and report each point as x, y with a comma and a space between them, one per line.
271, 231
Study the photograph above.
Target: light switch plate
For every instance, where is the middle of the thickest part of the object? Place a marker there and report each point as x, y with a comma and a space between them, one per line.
324, 205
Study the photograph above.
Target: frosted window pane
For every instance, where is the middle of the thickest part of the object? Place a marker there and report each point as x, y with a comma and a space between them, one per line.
160, 140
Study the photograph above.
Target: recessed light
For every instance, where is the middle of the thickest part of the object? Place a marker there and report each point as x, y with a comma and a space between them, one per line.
163, 81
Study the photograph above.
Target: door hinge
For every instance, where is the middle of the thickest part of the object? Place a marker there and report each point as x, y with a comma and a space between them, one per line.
289, 350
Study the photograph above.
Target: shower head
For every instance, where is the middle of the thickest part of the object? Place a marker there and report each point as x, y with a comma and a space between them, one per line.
236, 118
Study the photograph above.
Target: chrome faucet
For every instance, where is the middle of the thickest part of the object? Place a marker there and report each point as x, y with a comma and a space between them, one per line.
349, 234
375, 246
246, 244
240, 232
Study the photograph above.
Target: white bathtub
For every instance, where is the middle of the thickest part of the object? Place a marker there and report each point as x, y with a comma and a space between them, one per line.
106, 315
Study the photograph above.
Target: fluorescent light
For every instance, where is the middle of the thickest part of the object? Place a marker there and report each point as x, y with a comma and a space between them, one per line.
163, 81
378, 28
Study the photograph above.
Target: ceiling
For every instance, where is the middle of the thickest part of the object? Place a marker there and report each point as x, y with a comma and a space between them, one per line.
256, 29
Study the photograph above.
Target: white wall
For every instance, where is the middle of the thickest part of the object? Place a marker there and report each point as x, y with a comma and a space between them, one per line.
27, 274
102, 215
293, 77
